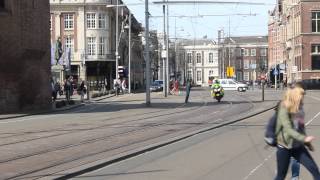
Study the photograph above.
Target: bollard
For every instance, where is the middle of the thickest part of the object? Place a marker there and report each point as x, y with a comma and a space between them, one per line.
262, 82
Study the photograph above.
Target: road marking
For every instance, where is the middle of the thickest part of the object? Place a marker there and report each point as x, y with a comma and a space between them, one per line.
266, 159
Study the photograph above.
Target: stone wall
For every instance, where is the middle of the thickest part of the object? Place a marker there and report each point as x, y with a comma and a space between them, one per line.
24, 56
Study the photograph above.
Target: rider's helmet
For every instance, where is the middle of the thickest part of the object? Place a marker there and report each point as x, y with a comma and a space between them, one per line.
217, 81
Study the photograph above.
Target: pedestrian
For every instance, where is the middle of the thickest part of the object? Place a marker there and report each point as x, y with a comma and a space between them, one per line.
82, 90
68, 88
57, 88
53, 90
291, 135
188, 88
117, 83
123, 86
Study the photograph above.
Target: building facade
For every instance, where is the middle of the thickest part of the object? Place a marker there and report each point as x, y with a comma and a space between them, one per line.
248, 55
197, 60
24, 56
295, 37
88, 29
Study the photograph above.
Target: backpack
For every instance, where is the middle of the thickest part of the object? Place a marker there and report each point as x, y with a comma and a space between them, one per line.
270, 136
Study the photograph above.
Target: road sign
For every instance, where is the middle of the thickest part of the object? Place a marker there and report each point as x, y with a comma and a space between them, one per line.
275, 72
230, 71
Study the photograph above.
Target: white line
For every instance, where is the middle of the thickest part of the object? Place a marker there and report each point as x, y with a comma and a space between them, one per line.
314, 117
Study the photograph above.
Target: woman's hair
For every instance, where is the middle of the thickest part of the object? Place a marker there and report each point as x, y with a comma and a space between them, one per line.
293, 98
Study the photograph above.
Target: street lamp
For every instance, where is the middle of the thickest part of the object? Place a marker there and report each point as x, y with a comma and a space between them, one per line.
117, 34
147, 58
117, 44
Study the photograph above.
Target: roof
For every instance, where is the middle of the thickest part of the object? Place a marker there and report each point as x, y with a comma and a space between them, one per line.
196, 42
247, 40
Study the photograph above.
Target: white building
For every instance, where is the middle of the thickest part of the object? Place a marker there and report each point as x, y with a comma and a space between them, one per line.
198, 60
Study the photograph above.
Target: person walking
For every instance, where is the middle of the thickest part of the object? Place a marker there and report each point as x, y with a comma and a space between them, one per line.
291, 135
188, 88
82, 91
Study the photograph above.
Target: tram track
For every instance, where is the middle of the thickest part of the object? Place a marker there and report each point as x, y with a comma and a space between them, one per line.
103, 138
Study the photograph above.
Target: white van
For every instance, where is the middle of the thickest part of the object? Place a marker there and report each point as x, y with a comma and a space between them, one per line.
230, 84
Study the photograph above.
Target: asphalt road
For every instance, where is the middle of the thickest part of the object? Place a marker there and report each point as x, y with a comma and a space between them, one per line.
47, 146
233, 152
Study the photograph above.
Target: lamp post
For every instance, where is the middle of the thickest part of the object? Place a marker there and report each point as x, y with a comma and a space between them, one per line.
148, 103
129, 63
117, 38
117, 44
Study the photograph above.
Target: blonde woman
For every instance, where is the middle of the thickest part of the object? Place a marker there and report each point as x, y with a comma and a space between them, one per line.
291, 137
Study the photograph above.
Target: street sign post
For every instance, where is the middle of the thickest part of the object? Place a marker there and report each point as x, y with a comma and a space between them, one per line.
275, 73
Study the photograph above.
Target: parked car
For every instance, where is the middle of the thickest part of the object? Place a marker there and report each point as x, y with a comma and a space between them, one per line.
230, 84
156, 86
160, 82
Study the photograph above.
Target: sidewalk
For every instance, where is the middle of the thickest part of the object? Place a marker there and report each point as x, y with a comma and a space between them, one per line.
60, 99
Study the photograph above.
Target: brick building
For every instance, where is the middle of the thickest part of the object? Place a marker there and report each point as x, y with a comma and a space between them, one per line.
294, 34
247, 54
24, 55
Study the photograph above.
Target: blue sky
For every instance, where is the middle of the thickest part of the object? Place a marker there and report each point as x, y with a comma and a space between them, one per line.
207, 26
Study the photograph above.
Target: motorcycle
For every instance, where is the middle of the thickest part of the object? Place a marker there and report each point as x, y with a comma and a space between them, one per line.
217, 93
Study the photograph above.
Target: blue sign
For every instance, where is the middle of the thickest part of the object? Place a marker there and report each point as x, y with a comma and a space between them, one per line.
275, 72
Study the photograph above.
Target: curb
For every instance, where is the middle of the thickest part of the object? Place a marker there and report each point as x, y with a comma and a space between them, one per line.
73, 172
45, 112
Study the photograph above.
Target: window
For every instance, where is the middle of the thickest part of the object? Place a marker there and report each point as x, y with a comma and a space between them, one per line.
231, 82
198, 58
68, 43
210, 58
102, 46
102, 21
253, 61
223, 82
189, 75
91, 20
91, 46
199, 75
210, 72
315, 49
68, 21
263, 52
246, 52
246, 64
246, 76
253, 52
315, 21
242, 52
315, 57
189, 56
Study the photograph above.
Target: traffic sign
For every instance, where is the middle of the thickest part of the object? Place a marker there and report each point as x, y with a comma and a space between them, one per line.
275, 72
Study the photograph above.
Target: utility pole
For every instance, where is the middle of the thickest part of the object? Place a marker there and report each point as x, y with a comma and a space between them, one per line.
129, 71
164, 58
117, 38
167, 63
148, 103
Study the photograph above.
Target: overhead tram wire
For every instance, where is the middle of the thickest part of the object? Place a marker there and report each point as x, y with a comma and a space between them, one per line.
211, 2
205, 15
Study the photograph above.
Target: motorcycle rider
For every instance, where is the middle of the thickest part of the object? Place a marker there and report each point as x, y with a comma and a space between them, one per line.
217, 85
